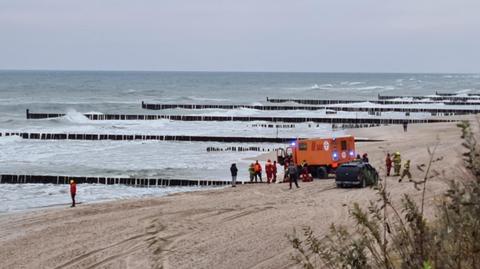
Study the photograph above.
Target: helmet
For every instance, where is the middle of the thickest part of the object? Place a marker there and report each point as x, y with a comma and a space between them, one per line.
72, 181
397, 153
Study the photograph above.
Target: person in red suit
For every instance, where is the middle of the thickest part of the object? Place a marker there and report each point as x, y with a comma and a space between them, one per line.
73, 191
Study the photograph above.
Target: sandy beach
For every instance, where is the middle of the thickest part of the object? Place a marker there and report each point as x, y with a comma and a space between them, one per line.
241, 227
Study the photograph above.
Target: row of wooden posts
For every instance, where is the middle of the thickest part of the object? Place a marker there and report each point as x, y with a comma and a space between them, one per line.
139, 182
327, 120
371, 110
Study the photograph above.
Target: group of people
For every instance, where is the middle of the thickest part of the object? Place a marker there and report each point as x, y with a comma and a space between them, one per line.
255, 171
396, 160
292, 172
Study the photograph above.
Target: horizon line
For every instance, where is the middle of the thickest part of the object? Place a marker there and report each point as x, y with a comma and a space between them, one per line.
234, 71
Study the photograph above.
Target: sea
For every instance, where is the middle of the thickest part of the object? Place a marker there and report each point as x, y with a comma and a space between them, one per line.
78, 92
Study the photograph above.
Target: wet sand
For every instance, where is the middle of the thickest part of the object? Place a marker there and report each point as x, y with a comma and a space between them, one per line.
241, 227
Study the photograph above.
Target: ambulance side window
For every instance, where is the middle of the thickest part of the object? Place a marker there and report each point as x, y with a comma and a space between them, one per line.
302, 146
344, 145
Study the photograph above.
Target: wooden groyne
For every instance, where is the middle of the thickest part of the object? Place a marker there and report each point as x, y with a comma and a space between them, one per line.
130, 137
454, 94
434, 98
380, 102
370, 110
139, 182
326, 120
179, 138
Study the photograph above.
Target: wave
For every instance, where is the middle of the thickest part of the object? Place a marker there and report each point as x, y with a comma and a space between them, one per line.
194, 98
355, 83
463, 91
327, 85
9, 139
129, 91
311, 87
315, 87
74, 116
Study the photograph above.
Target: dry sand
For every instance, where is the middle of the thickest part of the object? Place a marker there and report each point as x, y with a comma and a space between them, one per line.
241, 227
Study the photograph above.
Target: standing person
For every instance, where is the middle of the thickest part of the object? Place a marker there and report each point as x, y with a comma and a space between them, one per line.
388, 164
258, 171
293, 174
285, 171
405, 124
397, 163
233, 171
304, 170
73, 191
251, 172
365, 158
274, 170
269, 171
406, 172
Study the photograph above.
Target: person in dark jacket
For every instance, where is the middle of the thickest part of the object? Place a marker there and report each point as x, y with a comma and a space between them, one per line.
365, 158
73, 191
274, 171
233, 171
293, 174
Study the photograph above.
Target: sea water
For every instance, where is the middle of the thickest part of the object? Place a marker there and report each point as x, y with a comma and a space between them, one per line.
77, 92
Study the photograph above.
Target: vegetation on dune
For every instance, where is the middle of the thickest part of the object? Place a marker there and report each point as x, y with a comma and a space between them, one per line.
399, 236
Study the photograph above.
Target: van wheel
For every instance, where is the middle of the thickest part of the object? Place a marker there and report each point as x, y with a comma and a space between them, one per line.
339, 185
322, 173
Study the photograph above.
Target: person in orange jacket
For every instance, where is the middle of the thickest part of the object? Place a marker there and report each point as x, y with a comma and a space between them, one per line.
258, 171
73, 191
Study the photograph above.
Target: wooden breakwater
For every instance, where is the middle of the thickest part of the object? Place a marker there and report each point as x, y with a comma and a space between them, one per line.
140, 182
435, 98
179, 138
380, 102
327, 120
454, 94
370, 110
130, 137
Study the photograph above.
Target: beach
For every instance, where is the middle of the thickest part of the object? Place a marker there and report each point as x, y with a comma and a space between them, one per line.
243, 227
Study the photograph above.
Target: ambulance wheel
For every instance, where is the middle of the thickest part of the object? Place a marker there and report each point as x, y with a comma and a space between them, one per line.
322, 173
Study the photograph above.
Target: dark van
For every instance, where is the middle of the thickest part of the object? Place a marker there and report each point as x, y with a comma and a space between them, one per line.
356, 173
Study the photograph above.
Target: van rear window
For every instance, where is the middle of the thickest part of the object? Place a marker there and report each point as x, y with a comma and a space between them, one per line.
344, 145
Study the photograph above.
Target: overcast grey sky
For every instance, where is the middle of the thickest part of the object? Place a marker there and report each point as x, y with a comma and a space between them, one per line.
242, 35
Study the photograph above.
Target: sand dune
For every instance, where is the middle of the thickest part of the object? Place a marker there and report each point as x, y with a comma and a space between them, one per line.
241, 227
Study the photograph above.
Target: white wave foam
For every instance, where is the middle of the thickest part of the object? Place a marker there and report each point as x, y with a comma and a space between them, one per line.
9, 139
315, 87
370, 88
194, 98
463, 91
356, 83
18, 197
328, 85
130, 91
75, 117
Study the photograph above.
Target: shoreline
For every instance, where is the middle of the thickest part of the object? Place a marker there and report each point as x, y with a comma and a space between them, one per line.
241, 227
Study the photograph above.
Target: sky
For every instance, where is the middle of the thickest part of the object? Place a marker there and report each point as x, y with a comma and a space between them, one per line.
437, 36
